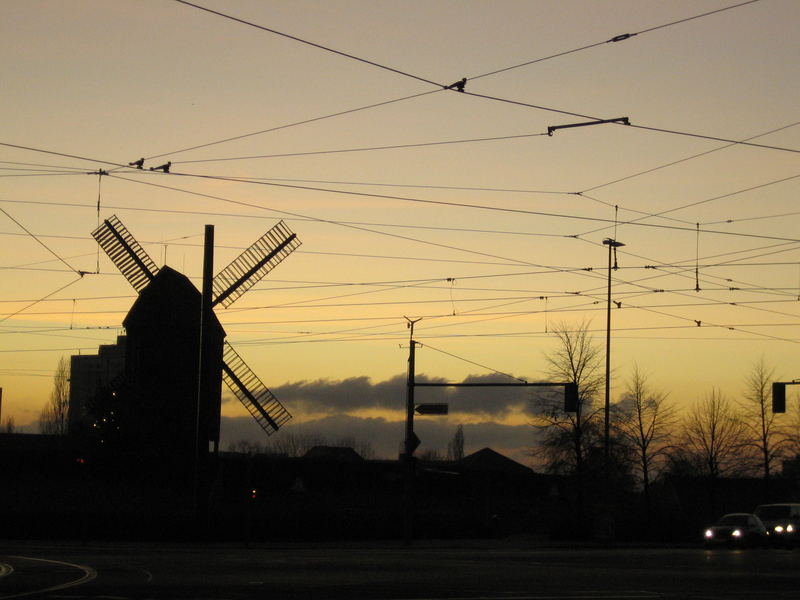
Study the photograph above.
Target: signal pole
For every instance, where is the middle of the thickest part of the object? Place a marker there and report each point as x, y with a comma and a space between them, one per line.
411, 442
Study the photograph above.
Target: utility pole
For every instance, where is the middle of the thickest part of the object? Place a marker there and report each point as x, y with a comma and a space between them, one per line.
411, 439
410, 444
201, 412
612, 246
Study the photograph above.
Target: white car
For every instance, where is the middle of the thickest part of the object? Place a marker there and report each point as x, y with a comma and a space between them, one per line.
782, 522
736, 529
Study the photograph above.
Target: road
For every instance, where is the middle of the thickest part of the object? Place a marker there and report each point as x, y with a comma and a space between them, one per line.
469, 571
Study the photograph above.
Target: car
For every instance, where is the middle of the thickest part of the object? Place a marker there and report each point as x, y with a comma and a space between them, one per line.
782, 522
737, 529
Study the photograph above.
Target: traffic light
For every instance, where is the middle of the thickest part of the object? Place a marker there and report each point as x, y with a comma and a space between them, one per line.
571, 397
778, 397
253, 494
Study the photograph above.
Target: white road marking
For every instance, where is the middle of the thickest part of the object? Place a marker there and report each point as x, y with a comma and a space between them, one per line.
88, 575
633, 595
5, 570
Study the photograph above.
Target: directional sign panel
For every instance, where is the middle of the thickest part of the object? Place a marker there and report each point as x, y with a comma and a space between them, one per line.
431, 409
412, 443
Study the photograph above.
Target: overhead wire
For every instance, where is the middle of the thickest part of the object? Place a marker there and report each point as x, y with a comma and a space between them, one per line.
697, 202
631, 125
433, 202
366, 148
743, 3
293, 124
461, 358
25, 308
685, 159
617, 38
41, 243
43, 151
310, 43
331, 222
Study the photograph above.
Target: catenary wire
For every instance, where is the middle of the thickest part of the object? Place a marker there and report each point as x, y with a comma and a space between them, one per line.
614, 39
460, 205
693, 204
617, 38
309, 43
367, 148
686, 159
41, 243
632, 125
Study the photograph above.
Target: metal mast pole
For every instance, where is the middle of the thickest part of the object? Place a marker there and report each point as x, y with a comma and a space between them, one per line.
608, 517
201, 416
607, 406
410, 444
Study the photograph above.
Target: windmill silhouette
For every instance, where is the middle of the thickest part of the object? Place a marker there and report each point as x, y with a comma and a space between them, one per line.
177, 393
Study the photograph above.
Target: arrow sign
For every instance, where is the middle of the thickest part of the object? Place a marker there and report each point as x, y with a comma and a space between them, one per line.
431, 409
412, 443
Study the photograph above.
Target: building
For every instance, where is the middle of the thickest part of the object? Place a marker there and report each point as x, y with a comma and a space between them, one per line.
89, 374
161, 370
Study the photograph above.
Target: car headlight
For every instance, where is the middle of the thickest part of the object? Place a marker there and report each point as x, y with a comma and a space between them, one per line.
736, 533
778, 528
709, 533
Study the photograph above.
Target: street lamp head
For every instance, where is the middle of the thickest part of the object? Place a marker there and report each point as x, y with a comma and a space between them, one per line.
612, 243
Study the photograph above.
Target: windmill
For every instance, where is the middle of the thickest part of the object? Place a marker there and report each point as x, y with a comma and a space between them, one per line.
165, 340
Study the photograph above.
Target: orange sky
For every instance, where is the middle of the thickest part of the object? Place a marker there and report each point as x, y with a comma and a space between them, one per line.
407, 208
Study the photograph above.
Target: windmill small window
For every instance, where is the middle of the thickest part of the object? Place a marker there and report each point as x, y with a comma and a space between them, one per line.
163, 329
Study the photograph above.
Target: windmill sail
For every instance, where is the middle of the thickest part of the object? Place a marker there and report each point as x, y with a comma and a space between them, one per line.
125, 252
252, 264
248, 388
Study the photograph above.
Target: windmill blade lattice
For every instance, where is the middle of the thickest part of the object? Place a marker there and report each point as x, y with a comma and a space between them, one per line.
125, 252
265, 408
252, 264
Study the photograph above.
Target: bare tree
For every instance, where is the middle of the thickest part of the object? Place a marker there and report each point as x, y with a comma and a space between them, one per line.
9, 425
431, 455
764, 432
295, 445
565, 441
53, 418
455, 449
713, 436
645, 423
364, 448
565, 438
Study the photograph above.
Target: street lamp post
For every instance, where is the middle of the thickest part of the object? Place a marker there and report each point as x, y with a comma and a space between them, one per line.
606, 524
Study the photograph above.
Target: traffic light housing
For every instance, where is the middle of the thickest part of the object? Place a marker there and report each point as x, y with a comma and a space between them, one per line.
571, 397
778, 397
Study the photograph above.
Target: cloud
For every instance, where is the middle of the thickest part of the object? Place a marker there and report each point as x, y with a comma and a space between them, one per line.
386, 436
325, 409
324, 396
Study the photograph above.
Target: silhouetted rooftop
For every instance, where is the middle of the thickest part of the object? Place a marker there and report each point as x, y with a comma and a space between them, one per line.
333, 453
489, 460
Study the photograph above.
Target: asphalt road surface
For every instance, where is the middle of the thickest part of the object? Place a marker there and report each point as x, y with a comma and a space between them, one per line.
468, 571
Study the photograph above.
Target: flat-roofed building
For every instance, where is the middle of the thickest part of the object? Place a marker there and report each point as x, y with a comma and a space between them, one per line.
89, 374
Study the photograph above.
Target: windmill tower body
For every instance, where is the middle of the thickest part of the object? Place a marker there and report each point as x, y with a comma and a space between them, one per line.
165, 413
163, 328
